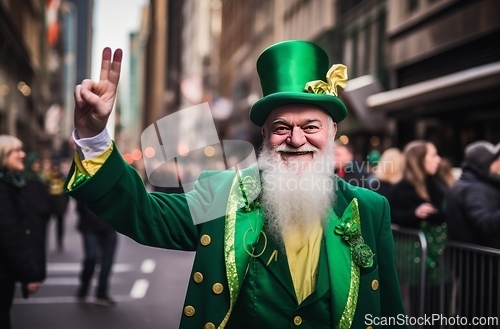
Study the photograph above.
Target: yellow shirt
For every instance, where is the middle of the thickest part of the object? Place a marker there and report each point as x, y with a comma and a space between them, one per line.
303, 261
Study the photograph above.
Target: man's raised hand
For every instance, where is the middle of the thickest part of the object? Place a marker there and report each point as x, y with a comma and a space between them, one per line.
94, 100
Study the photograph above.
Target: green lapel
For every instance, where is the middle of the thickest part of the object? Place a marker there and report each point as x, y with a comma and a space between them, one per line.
240, 226
339, 261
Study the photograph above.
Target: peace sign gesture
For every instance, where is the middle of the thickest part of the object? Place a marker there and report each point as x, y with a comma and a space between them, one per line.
94, 100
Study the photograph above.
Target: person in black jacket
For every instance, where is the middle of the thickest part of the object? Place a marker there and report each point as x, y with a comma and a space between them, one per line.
22, 253
98, 238
474, 201
474, 217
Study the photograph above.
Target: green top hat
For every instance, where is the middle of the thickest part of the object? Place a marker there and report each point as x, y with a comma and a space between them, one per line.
292, 72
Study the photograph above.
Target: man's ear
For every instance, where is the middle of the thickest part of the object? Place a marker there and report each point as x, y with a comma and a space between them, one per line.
263, 132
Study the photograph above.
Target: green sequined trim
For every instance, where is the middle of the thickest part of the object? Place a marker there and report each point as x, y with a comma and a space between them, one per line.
352, 299
231, 272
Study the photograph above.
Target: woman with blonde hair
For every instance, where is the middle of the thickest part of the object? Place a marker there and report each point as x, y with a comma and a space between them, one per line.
388, 172
22, 253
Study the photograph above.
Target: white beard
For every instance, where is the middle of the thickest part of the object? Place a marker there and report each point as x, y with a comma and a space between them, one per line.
295, 201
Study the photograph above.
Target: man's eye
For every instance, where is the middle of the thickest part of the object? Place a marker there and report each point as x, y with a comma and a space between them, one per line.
281, 129
311, 127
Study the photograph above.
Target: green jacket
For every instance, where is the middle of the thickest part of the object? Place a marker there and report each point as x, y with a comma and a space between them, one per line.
116, 193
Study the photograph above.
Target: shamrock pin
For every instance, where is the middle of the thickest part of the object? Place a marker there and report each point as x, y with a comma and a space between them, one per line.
349, 229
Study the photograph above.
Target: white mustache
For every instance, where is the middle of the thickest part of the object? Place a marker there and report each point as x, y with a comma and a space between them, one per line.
288, 149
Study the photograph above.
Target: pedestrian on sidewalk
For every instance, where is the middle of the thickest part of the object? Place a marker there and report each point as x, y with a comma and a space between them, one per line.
58, 199
22, 252
99, 244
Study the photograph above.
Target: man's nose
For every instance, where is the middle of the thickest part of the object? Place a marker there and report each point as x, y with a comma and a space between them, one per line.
297, 137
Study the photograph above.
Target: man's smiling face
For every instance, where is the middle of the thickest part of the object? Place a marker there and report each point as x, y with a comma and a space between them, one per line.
298, 132
296, 164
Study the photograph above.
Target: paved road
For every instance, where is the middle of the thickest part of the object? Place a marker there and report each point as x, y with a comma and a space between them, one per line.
149, 285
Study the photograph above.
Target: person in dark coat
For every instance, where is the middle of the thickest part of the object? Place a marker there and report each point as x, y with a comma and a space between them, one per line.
35, 191
99, 240
474, 201
58, 199
474, 218
22, 253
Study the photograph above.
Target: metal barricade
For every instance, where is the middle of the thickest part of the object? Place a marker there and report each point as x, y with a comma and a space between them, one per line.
411, 252
475, 294
467, 287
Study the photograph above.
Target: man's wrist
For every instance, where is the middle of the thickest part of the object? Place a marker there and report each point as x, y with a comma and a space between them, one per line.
92, 147
86, 133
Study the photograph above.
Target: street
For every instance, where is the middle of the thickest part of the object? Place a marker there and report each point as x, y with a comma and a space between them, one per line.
147, 283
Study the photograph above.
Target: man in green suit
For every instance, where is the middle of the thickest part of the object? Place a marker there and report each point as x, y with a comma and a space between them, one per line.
295, 245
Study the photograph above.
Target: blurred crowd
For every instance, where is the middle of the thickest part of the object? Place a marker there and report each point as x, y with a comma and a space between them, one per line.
424, 189
446, 204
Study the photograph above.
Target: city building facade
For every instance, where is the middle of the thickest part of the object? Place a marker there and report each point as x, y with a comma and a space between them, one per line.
24, 71
444, 67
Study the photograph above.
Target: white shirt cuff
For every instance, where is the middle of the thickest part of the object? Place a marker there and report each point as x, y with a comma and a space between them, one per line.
92, 147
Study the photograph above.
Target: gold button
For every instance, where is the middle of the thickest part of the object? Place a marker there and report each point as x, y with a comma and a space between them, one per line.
374, 284
209, 325
218, 288
28, 231
189, 310
369, 327
197, 277
297, 320
205, 240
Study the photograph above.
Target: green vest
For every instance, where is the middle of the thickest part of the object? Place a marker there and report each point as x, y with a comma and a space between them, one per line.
268, 279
